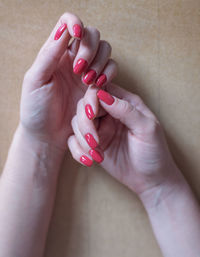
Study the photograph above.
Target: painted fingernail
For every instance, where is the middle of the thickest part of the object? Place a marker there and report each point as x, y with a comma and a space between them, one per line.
101, 80
77, 30
105, 97
96, 155
89, 77
60, 31
80, 66
91, 141
85, 160
89, 112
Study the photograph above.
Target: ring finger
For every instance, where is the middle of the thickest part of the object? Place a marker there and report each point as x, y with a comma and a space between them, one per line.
87, 50
99, 62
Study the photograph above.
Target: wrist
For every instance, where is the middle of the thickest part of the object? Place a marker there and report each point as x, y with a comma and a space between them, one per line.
153, 197
57, 138
31, 158
38, 143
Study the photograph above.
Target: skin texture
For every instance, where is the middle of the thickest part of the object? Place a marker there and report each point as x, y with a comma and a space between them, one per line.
51, 90
130, 146
50, 93
134, 147
135, 152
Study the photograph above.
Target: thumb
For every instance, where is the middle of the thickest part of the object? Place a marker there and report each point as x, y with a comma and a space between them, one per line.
51, 52
127, 113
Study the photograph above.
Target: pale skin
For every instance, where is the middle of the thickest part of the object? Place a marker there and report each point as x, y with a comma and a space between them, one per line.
129, 136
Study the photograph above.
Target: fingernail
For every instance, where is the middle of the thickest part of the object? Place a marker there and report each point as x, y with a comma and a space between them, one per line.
80, 66
89, 112
105, 97
60, 31
90, 140
96, 155
89, 77
101, 80
85, 160
77, 30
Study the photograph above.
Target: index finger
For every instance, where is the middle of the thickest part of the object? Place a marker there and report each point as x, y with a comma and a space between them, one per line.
69, 25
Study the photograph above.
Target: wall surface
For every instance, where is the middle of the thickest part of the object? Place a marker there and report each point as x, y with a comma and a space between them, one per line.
156, 43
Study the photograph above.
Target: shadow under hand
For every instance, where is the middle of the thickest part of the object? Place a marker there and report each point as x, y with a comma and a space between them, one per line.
67, 228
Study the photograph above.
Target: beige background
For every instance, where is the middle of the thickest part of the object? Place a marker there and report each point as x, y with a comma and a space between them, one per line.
157, 46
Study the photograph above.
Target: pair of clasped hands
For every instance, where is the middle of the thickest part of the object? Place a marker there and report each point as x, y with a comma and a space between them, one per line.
68, 99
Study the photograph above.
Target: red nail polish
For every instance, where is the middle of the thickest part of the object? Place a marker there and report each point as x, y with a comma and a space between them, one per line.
90, 140
105, 97
89, 77
101, 80
80, 66
60, 31
77, 30
85, 160
89, 112
96, 155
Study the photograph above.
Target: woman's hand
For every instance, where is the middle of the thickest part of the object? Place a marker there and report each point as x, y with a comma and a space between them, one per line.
52, 86
51, 89
128, 142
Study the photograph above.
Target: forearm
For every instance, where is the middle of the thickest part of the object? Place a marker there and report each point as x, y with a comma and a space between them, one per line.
27, 192
174, 214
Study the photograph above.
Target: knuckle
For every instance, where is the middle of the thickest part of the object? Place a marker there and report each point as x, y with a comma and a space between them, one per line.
112, 62
114, 66
68, 16
80, 104
70, 139
70, 142
126, 107
106, 45
28, 76
136, 100
74, 152
94, 31
153, 126
75, 155
73, 121
65, 15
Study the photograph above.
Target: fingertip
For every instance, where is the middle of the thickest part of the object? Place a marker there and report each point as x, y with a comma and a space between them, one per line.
86, 161
60, 31
80, 66
91, 102
89, 77
75, 25
86, 52
96, 155
107, 75
77, 152
77, 31
89, 112
105, 97
92, 142
101, 80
